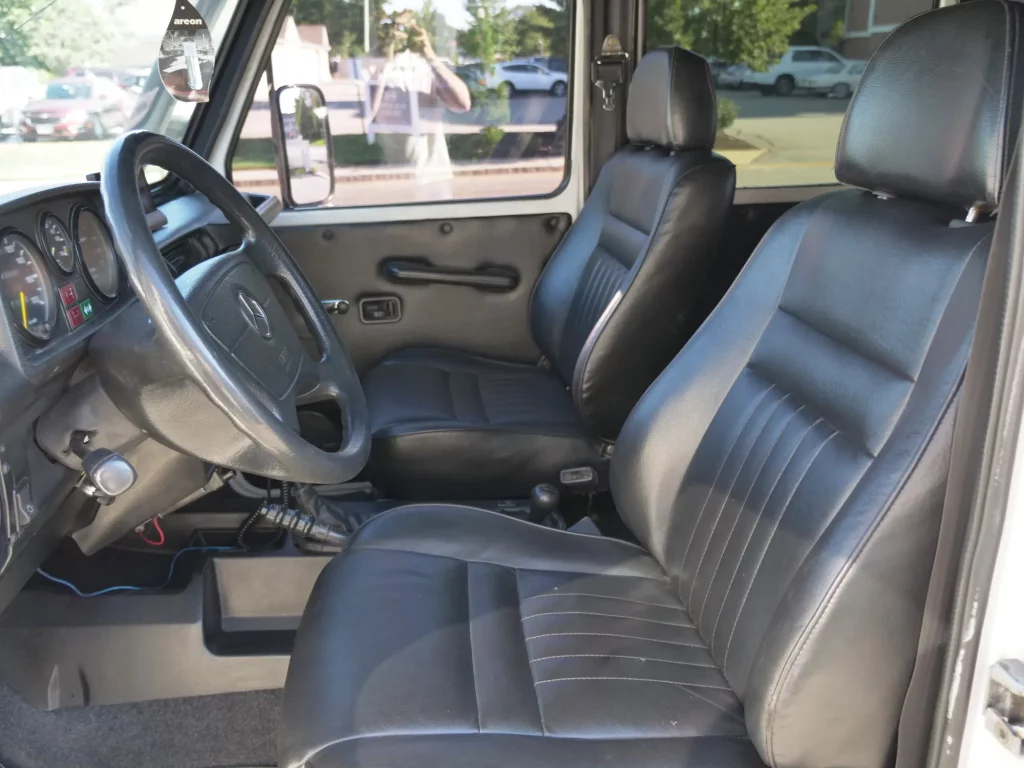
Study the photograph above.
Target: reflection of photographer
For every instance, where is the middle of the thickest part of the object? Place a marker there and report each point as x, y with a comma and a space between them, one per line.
409, 99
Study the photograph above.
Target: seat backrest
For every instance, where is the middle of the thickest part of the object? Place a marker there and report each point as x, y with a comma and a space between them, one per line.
614, 303
788, 467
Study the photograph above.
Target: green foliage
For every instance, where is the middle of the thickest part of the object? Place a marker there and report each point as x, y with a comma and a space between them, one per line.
533, 31
491, 35
343, 19
752, 32
728, 111
56, 36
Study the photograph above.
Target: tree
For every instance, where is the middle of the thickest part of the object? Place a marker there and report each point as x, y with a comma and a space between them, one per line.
533, 31
344, 21
492, 33
557, 13
752, 32
56, 36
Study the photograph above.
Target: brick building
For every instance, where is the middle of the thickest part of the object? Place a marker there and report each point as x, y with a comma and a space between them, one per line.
868, 22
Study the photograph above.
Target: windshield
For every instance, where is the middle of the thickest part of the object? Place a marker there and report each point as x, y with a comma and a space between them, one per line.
67, 91
101, 50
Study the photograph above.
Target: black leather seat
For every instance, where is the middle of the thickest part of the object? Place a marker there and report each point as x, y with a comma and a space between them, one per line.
614, 304
784, 477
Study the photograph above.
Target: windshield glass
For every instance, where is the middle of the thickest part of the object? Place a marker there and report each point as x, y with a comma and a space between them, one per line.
100, 52
58, 90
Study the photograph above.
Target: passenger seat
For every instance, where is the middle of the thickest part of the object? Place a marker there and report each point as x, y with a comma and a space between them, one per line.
615, 303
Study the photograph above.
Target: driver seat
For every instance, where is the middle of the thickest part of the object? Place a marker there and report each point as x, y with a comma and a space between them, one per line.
784, 478
614, 304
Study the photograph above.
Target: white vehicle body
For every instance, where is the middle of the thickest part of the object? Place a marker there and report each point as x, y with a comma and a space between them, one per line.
512, 76
798, 63
838, 81
733, 76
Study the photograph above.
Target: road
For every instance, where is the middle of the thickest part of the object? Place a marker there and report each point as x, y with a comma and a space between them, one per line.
796, 135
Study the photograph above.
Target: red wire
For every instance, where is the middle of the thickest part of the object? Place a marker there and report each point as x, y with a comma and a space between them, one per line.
159, 530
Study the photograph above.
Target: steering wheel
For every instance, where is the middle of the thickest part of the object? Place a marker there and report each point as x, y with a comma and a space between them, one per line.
218, 370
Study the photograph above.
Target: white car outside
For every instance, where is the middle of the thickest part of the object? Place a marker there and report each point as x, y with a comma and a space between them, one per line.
511, 76
838, 81
732, 76
798, 63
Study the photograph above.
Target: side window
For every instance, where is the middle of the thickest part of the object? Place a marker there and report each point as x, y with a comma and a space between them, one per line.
780, 125
421, 105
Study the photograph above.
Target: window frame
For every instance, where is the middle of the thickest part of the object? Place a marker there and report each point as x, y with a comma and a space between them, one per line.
567, 197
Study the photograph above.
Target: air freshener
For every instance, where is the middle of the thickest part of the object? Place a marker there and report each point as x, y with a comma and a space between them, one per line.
187, 55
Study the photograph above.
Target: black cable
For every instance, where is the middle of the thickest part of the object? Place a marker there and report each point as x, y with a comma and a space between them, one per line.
254, 517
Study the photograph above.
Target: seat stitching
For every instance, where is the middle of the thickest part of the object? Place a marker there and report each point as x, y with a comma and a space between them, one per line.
608, 634
608, 616
725, 500
760, 515
526, 647
725, 459
753, 578
635, 680
685, 686
606, 597
472, 655
620, 656
739, 514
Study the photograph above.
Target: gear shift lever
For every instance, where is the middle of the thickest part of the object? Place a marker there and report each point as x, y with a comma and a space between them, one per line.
544, 500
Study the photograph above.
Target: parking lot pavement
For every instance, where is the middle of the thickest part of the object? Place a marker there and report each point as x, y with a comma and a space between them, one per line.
798, 134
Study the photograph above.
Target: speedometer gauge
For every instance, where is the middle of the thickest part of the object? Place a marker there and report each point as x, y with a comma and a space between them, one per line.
57, 243
25, 287
97, 254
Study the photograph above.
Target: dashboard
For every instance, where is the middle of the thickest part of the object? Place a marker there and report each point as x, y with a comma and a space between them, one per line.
58, 267
61, 280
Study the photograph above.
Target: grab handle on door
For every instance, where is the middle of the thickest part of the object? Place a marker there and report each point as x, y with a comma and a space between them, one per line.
420, 271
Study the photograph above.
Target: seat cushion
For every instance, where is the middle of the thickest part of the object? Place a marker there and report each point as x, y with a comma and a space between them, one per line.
494, 639
448, 425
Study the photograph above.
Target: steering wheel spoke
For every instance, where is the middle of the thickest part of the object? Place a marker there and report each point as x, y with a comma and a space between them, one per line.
224, 327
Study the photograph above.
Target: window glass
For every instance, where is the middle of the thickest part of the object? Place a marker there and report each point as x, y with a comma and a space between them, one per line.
76, 73
428, 100
779, 116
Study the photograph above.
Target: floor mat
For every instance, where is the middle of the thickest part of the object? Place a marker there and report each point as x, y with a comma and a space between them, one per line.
229, 730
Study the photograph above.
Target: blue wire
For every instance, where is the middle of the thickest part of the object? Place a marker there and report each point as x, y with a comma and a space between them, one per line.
128, 588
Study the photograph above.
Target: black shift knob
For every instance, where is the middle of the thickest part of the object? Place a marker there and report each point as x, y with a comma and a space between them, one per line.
544, 500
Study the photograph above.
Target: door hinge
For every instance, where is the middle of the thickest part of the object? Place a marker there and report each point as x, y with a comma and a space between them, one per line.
1004, 713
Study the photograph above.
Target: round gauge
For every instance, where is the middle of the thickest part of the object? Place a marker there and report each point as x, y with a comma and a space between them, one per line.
25, 286
57, 244
97, 254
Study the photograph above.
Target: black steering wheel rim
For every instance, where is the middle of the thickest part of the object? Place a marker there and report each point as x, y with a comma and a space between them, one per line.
210, 365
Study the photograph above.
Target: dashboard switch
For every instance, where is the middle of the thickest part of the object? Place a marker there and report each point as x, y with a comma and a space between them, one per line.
68, 295
75, 318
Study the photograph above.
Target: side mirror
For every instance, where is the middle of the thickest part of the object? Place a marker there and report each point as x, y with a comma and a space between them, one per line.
305, 151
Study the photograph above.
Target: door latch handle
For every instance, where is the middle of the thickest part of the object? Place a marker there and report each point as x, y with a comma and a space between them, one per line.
335, 306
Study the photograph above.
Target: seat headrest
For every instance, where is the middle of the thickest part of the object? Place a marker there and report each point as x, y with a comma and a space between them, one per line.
937, 110
671, 101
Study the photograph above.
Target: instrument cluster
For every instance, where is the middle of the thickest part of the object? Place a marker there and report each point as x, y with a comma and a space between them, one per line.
57, 275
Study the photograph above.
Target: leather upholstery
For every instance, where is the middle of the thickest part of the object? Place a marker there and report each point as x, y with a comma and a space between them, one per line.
957, 73
672, 101
784, 477
504, 641
617, 299
506, 421
614, 304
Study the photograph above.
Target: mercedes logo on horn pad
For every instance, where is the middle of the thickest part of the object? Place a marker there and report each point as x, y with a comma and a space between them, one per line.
255, 315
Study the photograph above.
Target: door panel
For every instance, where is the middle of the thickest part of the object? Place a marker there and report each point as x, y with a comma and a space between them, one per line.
357, 262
